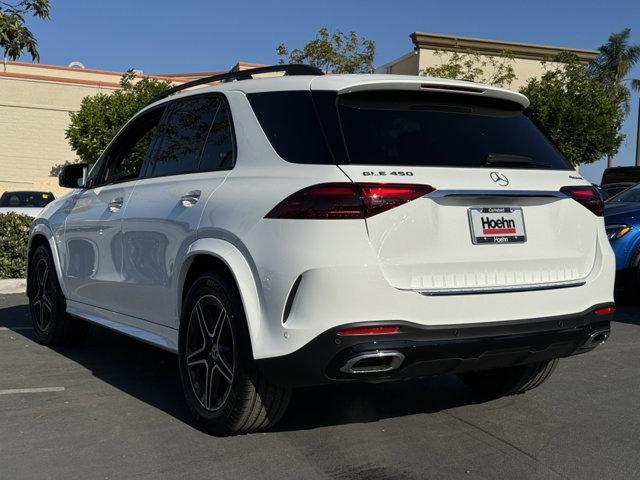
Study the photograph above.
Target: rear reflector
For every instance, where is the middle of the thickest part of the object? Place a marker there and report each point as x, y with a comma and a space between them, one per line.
381, 330
587, 196
347, 200
605, 310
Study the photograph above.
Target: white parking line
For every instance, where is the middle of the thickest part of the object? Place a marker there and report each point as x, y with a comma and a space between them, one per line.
31, 390
3, 329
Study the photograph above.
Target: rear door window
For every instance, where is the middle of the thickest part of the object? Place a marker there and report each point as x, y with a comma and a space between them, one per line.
182, 135
217, 153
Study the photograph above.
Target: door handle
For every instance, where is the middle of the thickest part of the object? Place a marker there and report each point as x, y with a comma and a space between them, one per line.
115, 205
190, 199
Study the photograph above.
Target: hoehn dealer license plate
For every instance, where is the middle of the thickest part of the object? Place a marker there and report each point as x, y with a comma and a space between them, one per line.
497, 225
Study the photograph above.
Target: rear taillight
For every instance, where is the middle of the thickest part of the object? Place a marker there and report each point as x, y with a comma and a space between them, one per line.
346, 200
587, 196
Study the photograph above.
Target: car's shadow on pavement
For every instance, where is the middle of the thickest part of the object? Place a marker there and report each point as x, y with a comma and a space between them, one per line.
151, 375
143, 371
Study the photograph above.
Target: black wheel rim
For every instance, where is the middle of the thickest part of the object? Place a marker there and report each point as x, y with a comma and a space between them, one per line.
43, 300
210, 353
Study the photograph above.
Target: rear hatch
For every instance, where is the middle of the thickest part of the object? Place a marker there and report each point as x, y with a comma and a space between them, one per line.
496, 218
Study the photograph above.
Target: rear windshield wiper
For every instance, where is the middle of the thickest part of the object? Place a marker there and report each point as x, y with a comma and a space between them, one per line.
513, 161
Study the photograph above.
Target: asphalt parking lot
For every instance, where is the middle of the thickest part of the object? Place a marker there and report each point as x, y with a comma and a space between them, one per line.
112, 408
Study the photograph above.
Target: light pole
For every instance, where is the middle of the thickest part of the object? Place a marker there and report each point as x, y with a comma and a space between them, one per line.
635, 85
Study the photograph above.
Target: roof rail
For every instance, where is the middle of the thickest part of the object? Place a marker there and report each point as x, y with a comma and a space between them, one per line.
288, 69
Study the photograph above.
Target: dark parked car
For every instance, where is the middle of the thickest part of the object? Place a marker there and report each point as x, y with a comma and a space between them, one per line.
620, 175
26, 203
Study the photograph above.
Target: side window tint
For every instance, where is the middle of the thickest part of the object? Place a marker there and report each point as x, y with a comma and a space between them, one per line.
126, 156
182, 136
291, 124
218, 149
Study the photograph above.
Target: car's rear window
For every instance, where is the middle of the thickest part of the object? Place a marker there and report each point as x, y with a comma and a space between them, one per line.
403, 128
444, 130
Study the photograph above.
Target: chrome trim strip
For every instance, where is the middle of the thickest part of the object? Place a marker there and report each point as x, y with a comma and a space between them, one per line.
505, 289
496, 193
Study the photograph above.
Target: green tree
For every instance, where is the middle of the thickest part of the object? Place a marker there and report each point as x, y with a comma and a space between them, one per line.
581, 114
101, 116
468, 65
15, 37
333, 51
612, 66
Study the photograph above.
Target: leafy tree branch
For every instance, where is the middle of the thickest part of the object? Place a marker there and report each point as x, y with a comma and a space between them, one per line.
468, 65
581, 113
333, 51
15, 36
102, 116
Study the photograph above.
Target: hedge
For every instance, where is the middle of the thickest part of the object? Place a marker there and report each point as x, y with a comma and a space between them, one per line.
14, 235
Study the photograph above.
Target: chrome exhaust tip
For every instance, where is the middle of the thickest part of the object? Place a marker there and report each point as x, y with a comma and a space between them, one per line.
596, 338
373, 362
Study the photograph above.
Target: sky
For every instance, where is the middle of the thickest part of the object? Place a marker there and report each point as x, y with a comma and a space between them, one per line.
162, 36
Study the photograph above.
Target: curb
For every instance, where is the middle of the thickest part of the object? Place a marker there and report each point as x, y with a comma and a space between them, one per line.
13, 285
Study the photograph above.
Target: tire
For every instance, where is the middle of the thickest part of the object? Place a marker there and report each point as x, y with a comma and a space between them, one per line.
509, 381
223, 389
51, 323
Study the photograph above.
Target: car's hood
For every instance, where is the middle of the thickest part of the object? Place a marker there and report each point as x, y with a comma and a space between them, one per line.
621, 212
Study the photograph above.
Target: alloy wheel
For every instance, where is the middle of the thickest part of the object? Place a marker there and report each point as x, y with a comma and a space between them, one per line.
43, 300
210, 352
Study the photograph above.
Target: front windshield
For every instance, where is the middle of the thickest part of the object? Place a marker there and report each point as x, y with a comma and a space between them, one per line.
631, 195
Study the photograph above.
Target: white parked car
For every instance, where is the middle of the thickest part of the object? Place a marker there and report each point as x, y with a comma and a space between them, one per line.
309, 229
25, 202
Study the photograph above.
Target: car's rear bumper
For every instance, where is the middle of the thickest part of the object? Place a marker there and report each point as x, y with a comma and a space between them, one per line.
419, 350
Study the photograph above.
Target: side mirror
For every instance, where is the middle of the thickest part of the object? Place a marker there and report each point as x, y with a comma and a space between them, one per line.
73, 175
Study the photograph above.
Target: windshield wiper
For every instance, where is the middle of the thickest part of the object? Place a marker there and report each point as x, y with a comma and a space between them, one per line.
513, 161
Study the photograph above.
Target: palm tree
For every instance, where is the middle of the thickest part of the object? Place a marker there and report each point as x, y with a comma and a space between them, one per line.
612, 65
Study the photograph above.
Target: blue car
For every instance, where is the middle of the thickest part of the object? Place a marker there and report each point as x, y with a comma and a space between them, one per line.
622, 219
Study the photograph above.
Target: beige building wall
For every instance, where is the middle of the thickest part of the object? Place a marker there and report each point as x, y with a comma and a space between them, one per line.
523, 68
35, 102
34, 115
528, 60
408, 64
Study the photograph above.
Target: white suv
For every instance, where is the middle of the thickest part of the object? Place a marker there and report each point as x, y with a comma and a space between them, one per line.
309, 229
